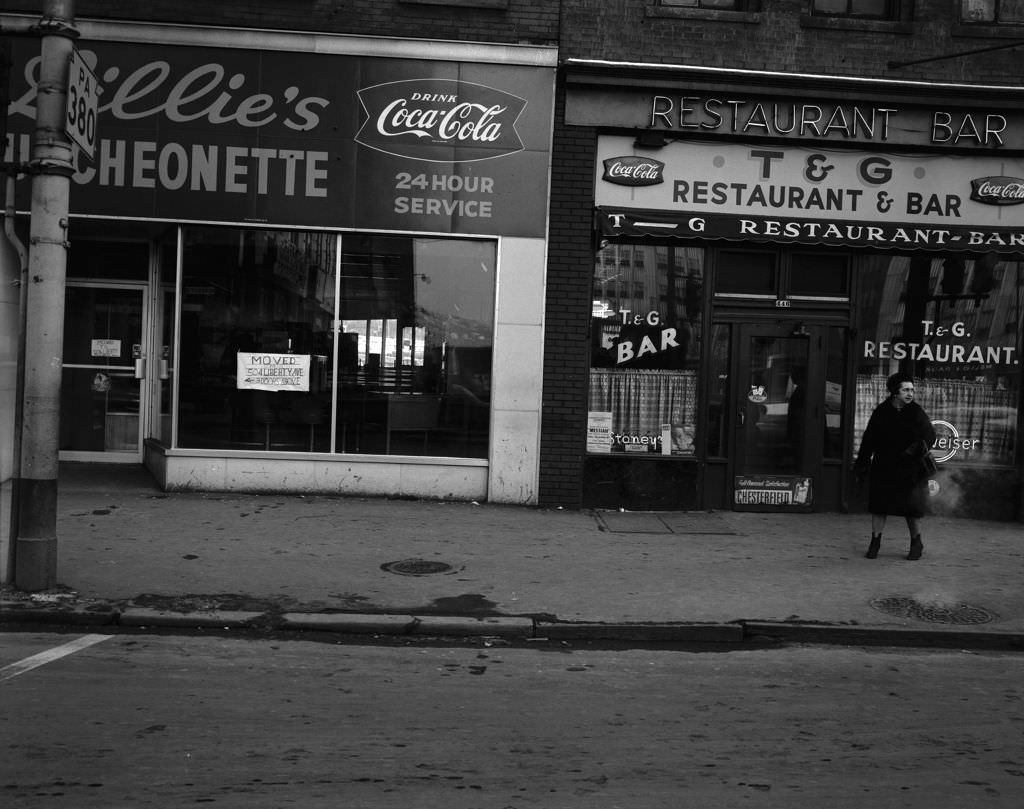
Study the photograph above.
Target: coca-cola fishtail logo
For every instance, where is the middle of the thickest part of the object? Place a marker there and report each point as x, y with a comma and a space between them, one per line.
414, 117
633, 171
998, 190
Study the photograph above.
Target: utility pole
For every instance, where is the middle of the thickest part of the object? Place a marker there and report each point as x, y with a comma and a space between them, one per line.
51, 167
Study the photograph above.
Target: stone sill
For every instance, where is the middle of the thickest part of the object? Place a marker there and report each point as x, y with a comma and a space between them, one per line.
498, 4
847, 24
710, 15
986, 31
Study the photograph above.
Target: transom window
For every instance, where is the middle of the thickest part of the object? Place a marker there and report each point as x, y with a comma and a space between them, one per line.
873, 9
992, 11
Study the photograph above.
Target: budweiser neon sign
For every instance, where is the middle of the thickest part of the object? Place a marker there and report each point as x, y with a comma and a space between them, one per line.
998, 190
440, 120
633, 171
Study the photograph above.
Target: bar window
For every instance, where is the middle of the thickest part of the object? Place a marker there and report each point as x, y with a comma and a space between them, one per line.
992, 11
645, 352
872, 9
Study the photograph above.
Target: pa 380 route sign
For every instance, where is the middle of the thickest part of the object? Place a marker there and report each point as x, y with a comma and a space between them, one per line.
82, 106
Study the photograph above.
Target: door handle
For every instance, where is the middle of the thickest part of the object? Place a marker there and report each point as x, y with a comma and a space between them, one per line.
140, 368
165, 369
741, 418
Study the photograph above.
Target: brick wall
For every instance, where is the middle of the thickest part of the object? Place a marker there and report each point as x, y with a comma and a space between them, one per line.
567, 320
783, 37
523, 21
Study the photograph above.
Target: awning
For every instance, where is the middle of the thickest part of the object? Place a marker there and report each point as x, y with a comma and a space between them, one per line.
625, 223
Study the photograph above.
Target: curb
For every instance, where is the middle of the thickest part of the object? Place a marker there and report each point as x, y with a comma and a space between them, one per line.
734, 634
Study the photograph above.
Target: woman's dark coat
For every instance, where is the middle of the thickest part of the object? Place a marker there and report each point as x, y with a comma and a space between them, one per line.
892, 446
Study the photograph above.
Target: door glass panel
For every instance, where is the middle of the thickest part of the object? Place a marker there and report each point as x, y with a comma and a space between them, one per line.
773, 407
99, 392
719, 415
835, 375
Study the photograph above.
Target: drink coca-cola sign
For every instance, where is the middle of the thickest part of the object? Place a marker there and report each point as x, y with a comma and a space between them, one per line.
440, 120
632, 170
998, 190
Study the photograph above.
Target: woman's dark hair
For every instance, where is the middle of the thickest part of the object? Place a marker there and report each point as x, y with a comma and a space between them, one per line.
893, 382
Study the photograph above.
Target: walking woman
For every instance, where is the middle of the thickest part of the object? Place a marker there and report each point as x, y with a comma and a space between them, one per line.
897, 437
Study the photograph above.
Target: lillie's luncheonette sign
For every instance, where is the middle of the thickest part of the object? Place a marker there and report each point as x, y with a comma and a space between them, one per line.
297, 138
809, 195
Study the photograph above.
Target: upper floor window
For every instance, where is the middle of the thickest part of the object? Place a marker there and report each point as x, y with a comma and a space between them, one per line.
870, 9
992, 11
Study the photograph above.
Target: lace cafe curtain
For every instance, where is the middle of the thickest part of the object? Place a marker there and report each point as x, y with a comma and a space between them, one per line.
977, 412
641, 401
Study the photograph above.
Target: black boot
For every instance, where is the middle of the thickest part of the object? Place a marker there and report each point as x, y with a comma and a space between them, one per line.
916, 548
876, 543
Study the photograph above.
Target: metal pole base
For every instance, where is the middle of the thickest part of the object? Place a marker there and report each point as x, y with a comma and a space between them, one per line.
35, 564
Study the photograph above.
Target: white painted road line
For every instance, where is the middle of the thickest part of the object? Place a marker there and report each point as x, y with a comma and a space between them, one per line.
56, 653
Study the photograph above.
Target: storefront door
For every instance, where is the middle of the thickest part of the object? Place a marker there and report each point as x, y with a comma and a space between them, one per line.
779, 411
105, 369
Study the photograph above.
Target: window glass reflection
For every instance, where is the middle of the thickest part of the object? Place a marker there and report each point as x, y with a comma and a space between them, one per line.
954, 323
262, 312
645, 350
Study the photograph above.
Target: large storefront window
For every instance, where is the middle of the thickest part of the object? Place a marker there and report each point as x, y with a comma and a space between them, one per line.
646, 333
955, 324
281, 352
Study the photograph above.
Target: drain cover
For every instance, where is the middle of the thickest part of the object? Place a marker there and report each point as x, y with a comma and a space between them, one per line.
415, 567
957, 613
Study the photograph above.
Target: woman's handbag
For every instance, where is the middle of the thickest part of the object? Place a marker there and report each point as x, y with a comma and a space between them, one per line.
928, 465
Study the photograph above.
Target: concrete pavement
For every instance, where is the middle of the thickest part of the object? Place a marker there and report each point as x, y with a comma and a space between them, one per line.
132, 555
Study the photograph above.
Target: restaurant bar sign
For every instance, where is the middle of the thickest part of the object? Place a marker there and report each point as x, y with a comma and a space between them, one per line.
814, 196
859, 123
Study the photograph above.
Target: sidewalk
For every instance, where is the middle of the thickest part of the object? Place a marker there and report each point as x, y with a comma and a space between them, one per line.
130, 554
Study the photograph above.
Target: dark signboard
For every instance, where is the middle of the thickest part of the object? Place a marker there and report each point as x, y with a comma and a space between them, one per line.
299, 138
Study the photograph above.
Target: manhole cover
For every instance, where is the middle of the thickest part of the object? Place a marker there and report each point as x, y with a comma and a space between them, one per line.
957, 613
415, 567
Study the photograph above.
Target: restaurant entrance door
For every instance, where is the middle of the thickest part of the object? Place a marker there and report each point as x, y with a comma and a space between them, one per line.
105, 372
781, 407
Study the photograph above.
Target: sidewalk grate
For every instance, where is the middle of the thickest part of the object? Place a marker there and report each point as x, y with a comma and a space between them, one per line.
957, 613
415, 567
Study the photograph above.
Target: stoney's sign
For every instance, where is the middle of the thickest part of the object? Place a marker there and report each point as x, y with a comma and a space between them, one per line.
411, 118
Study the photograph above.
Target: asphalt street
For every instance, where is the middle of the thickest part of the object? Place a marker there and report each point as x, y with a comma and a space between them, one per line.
170, 721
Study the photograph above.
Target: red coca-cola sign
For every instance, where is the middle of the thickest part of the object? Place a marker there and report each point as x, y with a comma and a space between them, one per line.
998, 190
632, 170
440, 120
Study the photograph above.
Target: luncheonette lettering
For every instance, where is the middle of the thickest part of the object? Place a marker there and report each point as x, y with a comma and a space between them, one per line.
230, 169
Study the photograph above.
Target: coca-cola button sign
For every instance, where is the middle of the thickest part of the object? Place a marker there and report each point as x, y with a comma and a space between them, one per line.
632, 170
440, 120
998, 190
